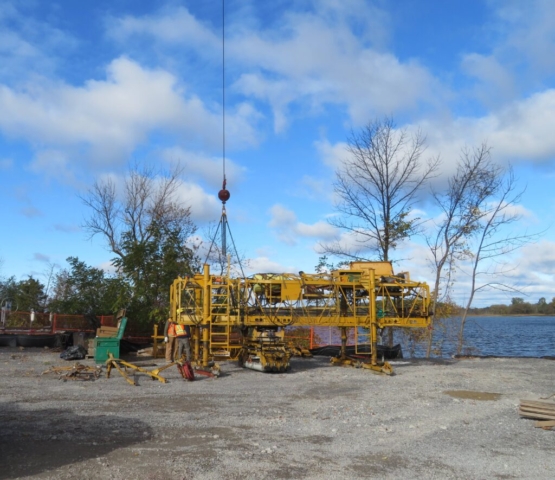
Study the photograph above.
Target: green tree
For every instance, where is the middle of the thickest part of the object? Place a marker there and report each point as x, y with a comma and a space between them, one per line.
152, 265
542, 306
325, 265
499, 309
25, 295
520, 307
87, 290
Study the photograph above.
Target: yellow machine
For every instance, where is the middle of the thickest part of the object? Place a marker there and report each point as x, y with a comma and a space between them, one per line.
244, 318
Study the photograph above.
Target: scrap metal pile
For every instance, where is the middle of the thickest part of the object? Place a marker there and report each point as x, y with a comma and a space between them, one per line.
76, 372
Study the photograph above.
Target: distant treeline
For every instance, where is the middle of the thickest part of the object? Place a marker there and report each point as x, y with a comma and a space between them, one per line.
518, 307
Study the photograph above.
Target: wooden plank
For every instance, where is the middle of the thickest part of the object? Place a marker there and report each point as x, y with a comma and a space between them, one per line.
544, 424
539, 403
536, 415
546, 411
538, 412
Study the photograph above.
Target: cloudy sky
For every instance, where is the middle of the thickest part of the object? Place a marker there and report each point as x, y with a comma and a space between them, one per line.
86, 88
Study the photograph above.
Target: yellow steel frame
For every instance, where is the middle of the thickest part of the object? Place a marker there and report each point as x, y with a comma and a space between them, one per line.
362, 296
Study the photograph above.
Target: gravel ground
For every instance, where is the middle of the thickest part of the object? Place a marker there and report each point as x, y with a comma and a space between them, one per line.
432, 419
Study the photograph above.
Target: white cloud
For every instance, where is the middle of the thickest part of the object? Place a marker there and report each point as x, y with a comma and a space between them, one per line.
54, 163
528, 274
538, 258
528, 32
110, 118
520, 57
329, 53
201, 166
520, 131
265, 265
315, 189
107, 267
204, 207
353, 242
29, 46
496, 81
318, 61
332, 155
170, 25
524, 130
289, 229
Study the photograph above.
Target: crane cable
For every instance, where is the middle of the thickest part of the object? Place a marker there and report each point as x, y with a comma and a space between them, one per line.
223, 194
223, 91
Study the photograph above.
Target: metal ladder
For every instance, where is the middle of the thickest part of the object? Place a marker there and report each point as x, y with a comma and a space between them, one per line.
220, 328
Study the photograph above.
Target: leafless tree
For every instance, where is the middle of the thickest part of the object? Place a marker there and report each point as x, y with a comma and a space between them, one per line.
148, 199
462, 207
377, 187
50, 276
493, 243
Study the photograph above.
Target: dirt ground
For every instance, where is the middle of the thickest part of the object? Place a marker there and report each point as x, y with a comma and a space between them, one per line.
432, 419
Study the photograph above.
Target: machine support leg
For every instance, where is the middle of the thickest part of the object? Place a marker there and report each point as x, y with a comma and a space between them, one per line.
155, 346
196, 345
206, 316
205, 345
374, 342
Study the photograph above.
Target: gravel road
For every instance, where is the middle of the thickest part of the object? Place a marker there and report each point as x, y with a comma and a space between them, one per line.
433, 419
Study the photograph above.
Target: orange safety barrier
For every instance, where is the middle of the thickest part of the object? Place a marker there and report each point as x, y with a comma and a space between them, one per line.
313, 337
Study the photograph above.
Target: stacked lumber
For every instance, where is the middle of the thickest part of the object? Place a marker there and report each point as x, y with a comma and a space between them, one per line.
541, 410
107, 332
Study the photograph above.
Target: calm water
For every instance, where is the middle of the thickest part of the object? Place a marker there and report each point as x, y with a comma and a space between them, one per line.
499, 336
496, 336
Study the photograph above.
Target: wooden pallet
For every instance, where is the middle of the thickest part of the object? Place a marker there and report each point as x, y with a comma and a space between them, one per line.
541, 410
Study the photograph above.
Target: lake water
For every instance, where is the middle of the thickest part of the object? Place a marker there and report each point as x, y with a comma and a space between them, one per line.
495, 336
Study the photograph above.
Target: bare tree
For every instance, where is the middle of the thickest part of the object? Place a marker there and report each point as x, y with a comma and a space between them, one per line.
492, 243
146, 227
377, 187
149, 198
462, 207
50, 275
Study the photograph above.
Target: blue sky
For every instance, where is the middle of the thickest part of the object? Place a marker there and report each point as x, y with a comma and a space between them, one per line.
86, 88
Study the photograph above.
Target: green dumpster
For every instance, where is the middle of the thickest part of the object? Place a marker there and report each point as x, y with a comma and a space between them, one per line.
106, 345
